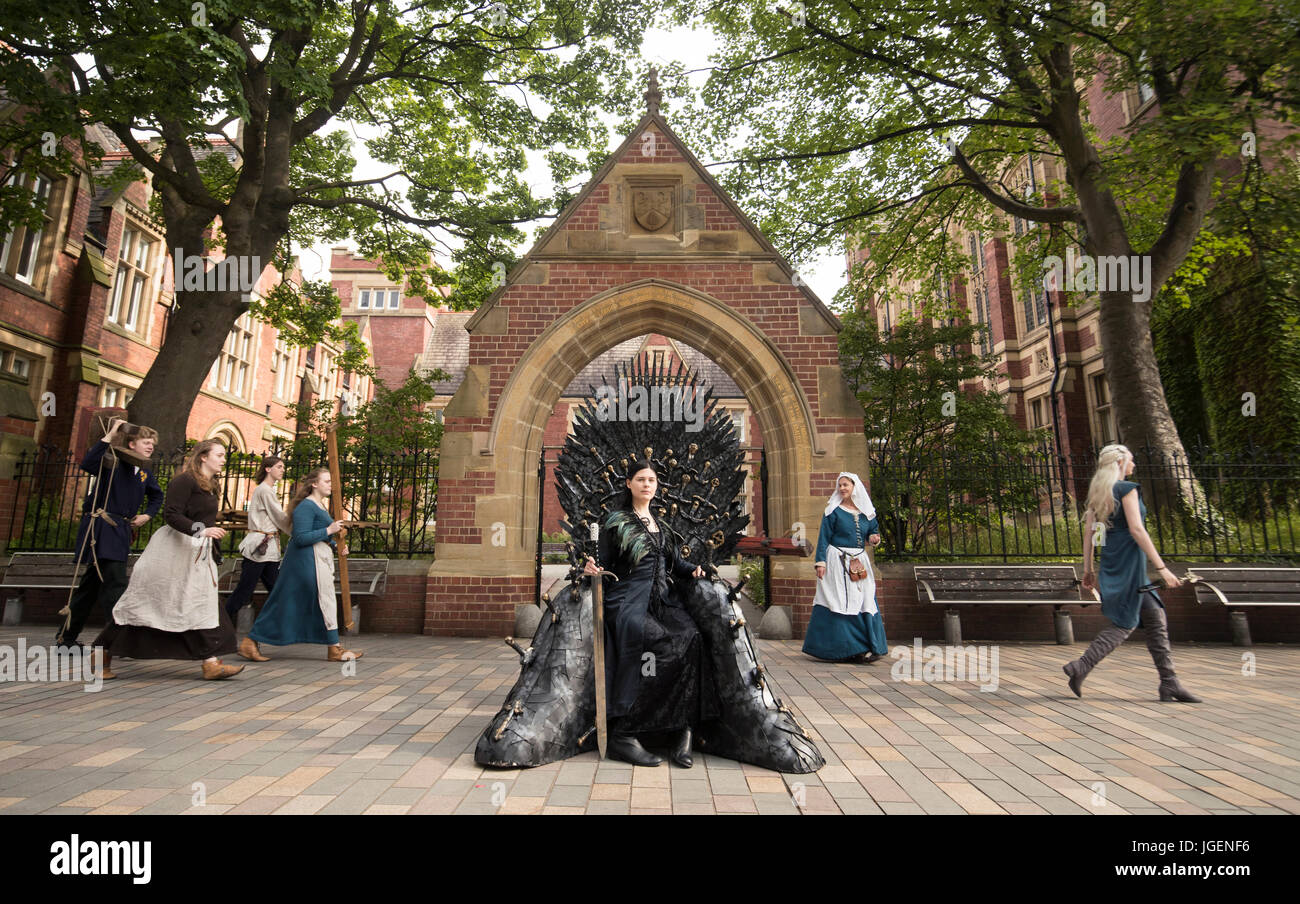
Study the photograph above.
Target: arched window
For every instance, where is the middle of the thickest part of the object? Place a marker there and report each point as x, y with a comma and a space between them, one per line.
229, 436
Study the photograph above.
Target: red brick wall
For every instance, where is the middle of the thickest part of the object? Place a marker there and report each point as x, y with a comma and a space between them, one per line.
557, 428
400, 610
395, 343
772, 308
476, 606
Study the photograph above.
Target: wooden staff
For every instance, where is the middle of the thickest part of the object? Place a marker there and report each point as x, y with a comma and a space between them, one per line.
336, 503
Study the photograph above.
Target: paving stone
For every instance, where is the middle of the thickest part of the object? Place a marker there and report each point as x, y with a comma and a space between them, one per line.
399, 738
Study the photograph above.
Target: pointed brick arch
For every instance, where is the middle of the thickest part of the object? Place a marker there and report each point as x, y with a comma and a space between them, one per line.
656, 306
600, 275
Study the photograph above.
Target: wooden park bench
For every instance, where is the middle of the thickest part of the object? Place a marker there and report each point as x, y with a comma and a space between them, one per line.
366, 578
1000, 585
1241, 588
41, 571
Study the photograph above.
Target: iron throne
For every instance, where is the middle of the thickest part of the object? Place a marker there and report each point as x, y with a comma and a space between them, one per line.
550, 712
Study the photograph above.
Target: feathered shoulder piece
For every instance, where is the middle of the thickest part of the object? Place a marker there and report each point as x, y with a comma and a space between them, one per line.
631, 540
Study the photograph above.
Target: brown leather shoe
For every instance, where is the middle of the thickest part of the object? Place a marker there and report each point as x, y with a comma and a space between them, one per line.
100, 661
215, 671
336, 653
249, 649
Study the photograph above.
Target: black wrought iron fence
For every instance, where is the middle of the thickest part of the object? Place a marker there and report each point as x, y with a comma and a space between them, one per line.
399, 492
994, 505
1008, 505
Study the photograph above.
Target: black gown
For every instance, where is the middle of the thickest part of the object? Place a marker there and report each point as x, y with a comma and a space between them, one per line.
658, 677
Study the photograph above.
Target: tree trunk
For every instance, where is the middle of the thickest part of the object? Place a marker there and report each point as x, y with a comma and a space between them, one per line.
1142, 414
196, 331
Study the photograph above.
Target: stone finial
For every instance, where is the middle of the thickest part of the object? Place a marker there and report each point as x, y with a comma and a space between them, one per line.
653, 96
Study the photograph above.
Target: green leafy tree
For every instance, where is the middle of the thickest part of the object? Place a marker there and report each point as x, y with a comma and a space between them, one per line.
944, 449
1227, 326
448, 96
389, 452
900, 120
396, 421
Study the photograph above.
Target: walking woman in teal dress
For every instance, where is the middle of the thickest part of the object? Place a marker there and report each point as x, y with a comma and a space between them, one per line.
845, 625
1114, 513
301, 608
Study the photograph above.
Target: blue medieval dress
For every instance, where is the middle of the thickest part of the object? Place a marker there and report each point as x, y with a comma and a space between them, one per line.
845, 620
302, 607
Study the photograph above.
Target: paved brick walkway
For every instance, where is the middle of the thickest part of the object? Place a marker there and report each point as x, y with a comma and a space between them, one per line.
295, 736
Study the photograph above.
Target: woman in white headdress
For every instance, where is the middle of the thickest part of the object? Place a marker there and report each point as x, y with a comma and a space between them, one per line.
846, 624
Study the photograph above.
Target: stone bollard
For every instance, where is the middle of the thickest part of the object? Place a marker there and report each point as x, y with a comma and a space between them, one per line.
1064, 627
356, 623
527, 617
776, 624
1237, 618
952, 628
13, 611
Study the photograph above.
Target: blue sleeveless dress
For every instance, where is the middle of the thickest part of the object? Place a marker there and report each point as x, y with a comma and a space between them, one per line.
1123, 566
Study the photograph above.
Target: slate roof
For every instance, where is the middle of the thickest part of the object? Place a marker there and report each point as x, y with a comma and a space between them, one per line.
448, 349
115, 155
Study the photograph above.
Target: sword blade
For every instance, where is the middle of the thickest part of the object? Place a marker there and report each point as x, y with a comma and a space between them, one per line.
598, 660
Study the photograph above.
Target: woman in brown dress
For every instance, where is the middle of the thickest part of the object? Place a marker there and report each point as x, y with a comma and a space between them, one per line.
170, 609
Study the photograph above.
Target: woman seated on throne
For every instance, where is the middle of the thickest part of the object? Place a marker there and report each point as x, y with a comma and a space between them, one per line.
658, 677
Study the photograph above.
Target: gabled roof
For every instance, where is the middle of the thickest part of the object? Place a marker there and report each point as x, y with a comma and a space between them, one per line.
599, 178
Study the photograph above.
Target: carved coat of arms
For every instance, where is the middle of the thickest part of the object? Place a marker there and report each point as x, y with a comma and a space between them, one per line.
652, 208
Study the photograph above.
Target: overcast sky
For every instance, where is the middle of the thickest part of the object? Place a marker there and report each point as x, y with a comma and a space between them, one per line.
681, 45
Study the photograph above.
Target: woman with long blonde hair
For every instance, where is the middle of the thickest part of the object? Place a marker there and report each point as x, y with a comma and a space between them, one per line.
1113, 518
302, 608
170, 609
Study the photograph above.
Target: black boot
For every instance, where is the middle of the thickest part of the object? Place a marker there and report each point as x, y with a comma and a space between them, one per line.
628, 749
1076, 678
1171, 689
682, 752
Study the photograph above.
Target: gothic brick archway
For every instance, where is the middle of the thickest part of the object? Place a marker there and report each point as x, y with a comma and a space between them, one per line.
601, 274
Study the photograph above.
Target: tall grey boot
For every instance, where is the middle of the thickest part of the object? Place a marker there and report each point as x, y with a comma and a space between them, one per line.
1156, 625
1102, 645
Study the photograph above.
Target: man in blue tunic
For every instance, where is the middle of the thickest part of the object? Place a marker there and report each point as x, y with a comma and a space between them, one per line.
108, 515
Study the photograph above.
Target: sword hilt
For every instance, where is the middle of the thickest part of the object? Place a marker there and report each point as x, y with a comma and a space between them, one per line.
595, 539
600, 571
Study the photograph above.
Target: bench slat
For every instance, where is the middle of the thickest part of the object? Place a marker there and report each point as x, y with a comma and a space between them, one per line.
1257, 586
1235, 603
1022, 602
1249, 586
1006, 593
1002, 586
